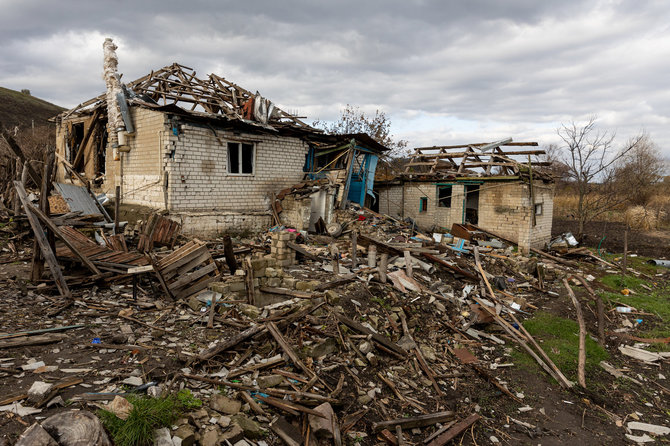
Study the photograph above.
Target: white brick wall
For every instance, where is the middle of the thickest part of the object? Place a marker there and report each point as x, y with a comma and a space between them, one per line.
504, 208
197, 166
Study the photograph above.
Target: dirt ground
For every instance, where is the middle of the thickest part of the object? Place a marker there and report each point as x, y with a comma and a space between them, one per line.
655, 244
535, 411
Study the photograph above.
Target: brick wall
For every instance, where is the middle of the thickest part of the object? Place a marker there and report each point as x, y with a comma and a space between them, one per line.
210, 224
390, 200
504, 208
196, 162
140, 170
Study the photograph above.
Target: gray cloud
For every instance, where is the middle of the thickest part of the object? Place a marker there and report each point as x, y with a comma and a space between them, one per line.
444, 72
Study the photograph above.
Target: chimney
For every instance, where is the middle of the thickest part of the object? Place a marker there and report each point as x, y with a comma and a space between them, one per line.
114, 120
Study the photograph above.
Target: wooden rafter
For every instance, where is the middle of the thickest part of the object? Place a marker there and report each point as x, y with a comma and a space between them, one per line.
447, 160
178, 85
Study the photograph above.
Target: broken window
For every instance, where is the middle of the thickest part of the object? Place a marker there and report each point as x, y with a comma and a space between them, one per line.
423, 204
444, 196
240, 158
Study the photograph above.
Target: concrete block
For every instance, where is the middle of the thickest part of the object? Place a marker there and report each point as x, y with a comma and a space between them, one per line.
258, 264
237, 286
274, 282
288, 282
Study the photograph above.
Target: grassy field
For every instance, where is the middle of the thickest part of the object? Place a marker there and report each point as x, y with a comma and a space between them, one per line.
20, 109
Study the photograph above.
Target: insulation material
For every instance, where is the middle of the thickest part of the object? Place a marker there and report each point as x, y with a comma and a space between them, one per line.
113, 84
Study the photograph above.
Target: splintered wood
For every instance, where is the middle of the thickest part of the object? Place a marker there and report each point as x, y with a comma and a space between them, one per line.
187, 270
158, 231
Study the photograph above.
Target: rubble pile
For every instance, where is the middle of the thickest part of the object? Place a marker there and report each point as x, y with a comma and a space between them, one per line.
381, 334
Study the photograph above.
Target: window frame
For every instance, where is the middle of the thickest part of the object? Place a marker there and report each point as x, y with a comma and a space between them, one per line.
537, 206
423, 205
240, 146
451, 194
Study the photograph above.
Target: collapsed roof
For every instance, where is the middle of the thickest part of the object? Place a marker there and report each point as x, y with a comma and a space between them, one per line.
475, 160
176, 88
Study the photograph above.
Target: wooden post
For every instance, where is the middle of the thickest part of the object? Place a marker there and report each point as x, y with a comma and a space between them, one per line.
212, 311
372, 256
38, 260
625, 251
229, 254
601, 309
251, 295
383, 265
354, 250
408, 264
581, 360
49, 256
335, 255
117, 203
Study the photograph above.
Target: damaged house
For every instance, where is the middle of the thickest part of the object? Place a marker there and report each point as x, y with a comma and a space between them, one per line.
209, 153
480, 184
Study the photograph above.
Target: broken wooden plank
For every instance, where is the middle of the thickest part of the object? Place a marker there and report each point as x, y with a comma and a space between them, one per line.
299, 249
287, 292
455, 430
49, 255
418, 421
230, 342
54, 229
581, 359
32, 340
229, 254
274, 331
336, 283
446, 264
269, 391
375, 336
249, 280
290, 407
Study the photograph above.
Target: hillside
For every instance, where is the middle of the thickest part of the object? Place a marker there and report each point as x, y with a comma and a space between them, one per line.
20, 109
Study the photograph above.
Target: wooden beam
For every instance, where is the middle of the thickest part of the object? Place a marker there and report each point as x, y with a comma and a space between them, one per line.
412, 422
53, 228
49, 255
87, 136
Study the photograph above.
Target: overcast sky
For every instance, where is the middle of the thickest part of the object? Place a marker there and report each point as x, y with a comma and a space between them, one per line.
443, 71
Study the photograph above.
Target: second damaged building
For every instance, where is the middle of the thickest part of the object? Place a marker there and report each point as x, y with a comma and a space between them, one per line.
207, 151
480, 184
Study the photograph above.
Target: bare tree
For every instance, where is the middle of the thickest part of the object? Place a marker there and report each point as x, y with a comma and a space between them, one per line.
592, 158
556, 168
639, 171
354, 120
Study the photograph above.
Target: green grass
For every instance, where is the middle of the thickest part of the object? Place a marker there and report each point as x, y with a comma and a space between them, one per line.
559, 338
638, 263
146, 415
187, 400
655, 302
381, 302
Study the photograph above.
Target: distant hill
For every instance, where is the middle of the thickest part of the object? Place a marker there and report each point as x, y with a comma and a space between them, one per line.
20, 109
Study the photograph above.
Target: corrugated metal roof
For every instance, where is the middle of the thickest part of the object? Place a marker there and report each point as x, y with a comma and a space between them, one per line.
77, 198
